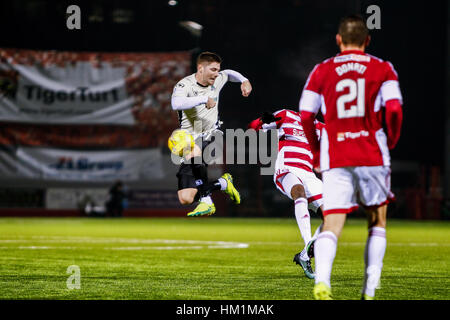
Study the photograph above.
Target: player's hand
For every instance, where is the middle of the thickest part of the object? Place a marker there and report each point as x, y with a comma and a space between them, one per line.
246, 88
211, 103
267, 117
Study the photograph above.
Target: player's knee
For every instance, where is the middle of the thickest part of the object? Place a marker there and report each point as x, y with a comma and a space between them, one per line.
185, 198
377, 222
298, 191
332, 228
334, 223
377, 218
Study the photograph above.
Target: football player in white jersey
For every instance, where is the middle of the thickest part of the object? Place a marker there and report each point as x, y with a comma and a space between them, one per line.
196, 98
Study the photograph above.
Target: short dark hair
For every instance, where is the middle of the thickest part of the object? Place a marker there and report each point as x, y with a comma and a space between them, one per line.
353, 30
208, 57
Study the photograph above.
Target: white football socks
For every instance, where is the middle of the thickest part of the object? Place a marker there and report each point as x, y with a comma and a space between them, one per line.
207, 200
324, 253
303, 219
373, 258
223, 183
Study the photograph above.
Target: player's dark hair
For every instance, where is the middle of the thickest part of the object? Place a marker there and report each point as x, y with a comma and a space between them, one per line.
353, 30
208, 57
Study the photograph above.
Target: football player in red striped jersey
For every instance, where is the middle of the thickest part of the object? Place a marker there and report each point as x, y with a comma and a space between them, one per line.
294, 175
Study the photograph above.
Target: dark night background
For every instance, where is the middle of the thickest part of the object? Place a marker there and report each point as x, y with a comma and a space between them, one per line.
273, 43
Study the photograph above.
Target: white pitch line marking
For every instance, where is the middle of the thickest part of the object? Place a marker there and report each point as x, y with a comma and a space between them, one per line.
194, 244
395, 244
189, 244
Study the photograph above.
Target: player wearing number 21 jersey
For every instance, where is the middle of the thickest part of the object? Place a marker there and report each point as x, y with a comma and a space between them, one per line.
351, 89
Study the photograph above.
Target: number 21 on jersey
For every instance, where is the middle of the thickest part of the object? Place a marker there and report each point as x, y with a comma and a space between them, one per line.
356, 91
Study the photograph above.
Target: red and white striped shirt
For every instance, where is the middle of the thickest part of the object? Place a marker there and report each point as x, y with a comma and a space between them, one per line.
292, 142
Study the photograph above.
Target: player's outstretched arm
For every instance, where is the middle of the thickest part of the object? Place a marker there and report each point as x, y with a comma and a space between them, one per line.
255, 124
394, 118
267, 119
183, 103
235, 76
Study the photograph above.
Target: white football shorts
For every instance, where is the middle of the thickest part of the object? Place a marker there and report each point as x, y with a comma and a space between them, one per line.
345, 188
309, 181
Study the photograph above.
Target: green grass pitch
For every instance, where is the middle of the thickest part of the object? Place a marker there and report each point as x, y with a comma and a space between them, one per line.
209, 258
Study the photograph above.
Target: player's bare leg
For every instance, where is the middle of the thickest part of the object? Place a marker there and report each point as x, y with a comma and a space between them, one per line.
377, 217
187, 196
374, 251
334, 223
325, 252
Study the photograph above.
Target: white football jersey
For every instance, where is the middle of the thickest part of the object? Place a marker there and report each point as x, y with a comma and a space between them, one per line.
188, 87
